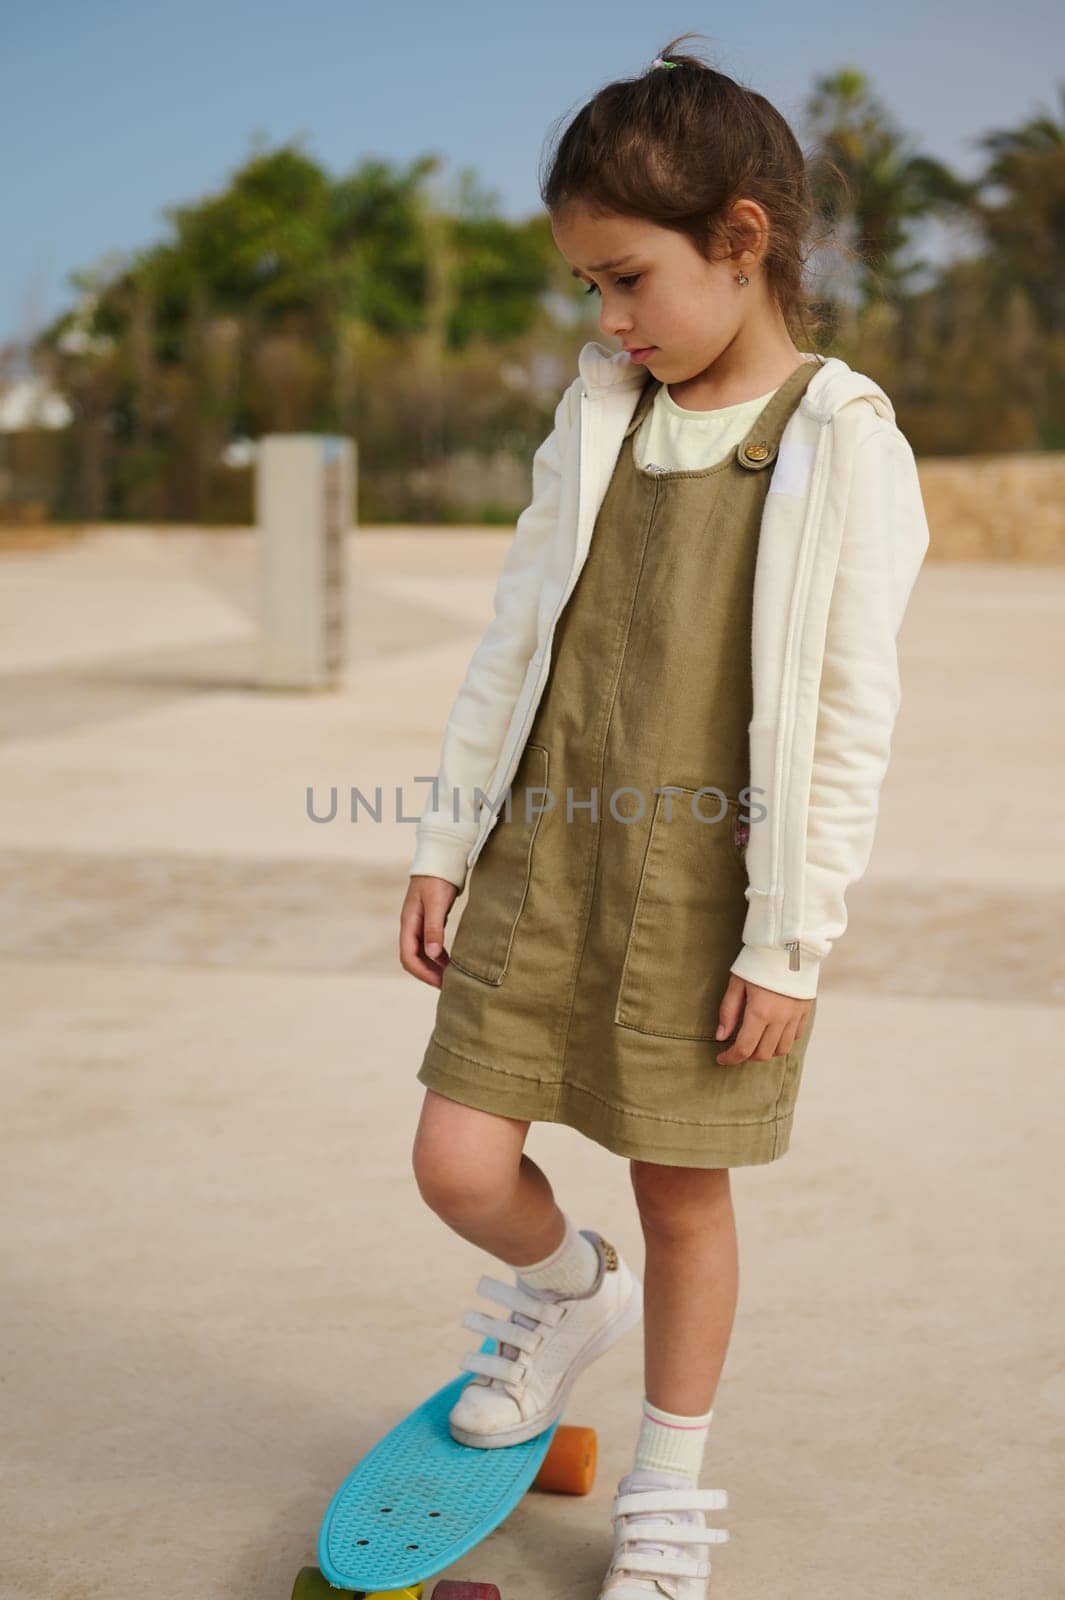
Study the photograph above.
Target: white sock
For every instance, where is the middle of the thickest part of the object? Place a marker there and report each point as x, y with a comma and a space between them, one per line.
569, 1270
670, 1442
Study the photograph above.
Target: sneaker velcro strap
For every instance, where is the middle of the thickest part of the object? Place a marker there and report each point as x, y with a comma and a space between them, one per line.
670, 1500
675, 1533
516, 1299
489, 1366
506, 1332
641, 1563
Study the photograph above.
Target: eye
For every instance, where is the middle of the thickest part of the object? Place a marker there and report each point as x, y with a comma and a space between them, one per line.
634, 277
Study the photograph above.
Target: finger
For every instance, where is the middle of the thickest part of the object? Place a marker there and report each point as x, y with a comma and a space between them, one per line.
433, 934
731, 1007
787, 1039
769, 1044
793, 1032
410, 952
746, 1041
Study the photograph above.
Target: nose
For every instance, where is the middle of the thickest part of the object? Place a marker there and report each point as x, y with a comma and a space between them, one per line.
613, 325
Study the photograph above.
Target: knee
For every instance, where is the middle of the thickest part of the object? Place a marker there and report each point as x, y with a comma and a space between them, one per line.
450, 1184
678, 1199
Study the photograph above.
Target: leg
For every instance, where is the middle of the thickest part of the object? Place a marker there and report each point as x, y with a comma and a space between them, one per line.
471, 1170
691, 1280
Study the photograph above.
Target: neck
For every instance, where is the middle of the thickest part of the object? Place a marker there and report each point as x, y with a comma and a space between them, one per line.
759, 358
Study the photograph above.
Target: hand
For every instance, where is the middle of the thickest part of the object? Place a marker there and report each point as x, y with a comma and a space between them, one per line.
771, 1022
421, 927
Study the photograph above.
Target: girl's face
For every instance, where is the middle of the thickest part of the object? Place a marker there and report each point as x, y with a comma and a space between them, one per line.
658, 293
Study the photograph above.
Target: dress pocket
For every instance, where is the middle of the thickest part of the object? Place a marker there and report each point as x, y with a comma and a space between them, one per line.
499, 878
687, 922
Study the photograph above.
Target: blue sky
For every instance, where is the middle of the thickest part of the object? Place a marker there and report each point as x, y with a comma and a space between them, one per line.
110, 111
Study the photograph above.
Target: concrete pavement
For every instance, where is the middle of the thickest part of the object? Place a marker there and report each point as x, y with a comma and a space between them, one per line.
209, 1101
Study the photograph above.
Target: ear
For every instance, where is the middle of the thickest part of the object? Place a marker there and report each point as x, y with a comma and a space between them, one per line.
747, 230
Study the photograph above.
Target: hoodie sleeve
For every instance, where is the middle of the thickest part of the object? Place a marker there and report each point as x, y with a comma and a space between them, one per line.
481, 712
883, 544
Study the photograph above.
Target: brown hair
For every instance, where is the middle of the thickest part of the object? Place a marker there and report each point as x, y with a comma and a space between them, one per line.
678, 146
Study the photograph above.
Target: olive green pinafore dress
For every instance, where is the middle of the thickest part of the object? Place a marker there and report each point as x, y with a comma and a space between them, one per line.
602, 919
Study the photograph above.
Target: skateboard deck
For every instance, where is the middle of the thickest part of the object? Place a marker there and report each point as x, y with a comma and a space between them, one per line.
419, 1500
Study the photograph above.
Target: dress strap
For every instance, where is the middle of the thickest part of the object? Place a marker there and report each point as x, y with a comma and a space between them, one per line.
644, 403
759, 447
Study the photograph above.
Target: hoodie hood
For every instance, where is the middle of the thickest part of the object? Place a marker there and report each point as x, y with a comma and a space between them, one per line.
835, 385
601, 368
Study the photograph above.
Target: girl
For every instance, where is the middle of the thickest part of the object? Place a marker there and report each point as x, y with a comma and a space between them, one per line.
680, 719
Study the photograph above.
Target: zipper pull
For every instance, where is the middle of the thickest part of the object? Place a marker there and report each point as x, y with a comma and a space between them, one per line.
793, 960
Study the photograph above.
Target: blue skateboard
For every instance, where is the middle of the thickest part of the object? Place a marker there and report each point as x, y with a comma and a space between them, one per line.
419, 1500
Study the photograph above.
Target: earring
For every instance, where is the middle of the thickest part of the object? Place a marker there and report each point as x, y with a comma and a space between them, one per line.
742, 279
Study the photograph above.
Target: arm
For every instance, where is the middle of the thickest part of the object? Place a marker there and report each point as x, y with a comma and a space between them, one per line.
884, 540
482, 709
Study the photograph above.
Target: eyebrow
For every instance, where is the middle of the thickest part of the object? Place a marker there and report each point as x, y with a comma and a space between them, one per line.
604, 266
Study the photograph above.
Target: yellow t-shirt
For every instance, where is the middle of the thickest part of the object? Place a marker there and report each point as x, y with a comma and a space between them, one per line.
673, 439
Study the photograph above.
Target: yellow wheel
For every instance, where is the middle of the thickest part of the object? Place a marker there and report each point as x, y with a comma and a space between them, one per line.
311, 1584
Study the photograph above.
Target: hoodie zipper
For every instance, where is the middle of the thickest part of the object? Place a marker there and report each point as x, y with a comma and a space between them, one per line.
786, 731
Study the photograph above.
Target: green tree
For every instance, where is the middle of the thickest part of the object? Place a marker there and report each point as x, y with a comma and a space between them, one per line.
887, 188
1021, 211
280, 303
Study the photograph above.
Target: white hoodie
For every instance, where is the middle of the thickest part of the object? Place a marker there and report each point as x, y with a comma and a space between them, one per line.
842, 538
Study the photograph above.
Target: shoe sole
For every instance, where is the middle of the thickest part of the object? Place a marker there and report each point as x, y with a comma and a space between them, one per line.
609, 1334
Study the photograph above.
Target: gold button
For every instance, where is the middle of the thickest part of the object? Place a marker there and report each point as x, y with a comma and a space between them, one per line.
756, 452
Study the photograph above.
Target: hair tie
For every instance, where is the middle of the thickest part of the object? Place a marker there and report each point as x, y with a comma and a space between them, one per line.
658, 62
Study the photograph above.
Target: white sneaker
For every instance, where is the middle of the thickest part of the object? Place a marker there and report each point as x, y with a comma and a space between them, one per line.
549, 1339
658, 1532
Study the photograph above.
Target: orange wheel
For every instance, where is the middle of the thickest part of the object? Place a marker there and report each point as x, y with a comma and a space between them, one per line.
569, 1465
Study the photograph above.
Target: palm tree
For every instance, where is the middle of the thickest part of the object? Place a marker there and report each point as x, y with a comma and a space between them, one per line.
887, 186
1024, 224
